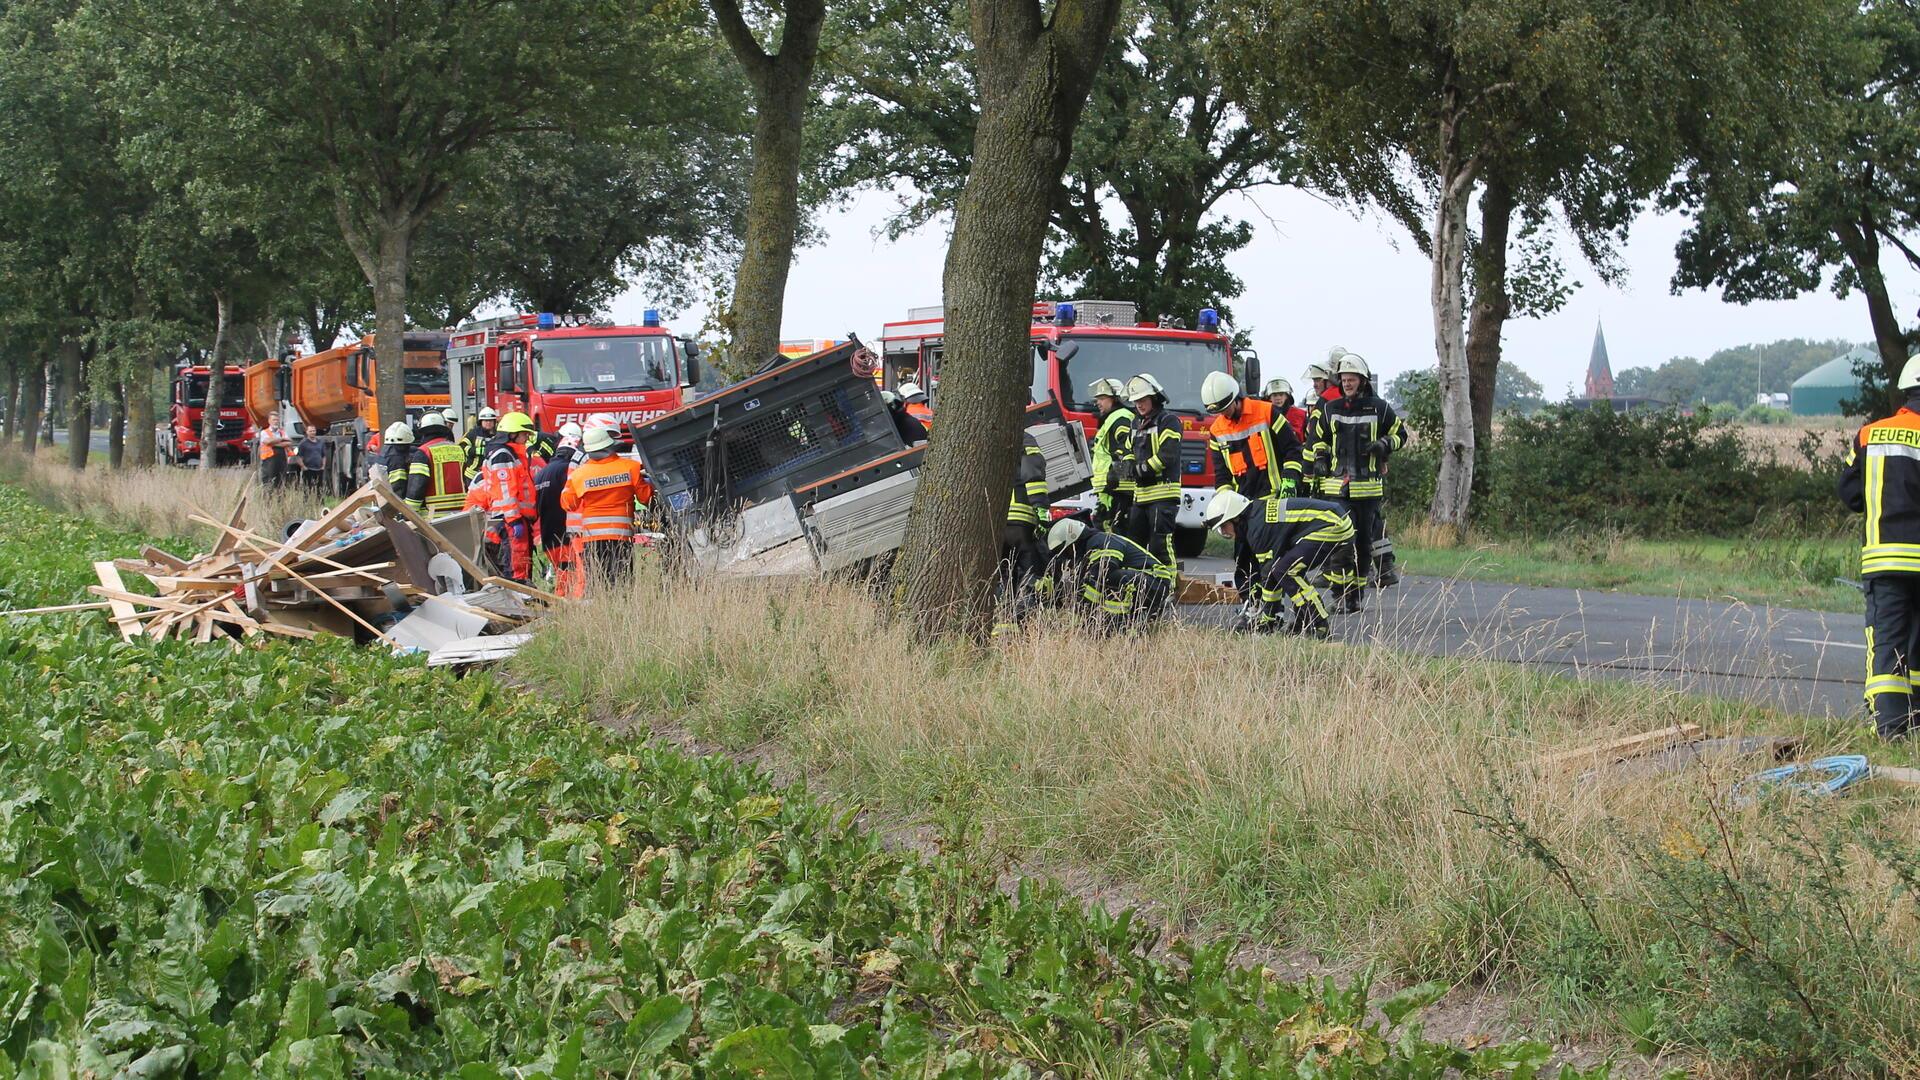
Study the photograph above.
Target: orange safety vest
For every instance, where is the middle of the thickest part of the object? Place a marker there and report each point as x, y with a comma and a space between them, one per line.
512, 484
604, 493
269, 437
922, 412
1247, 443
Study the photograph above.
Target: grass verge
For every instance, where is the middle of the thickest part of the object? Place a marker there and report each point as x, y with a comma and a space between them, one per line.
318, 860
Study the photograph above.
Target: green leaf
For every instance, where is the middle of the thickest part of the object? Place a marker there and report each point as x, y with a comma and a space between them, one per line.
656, 1026
761, 1052
1411, 1000
162, 858
306, 1014
536, 895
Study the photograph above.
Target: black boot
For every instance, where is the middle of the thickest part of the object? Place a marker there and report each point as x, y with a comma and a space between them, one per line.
1388, 574
1893, 715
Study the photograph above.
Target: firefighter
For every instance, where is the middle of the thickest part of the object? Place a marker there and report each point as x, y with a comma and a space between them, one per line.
1022, 562
398, 457
1120, 583
1155, 459
1280, 393
474, 443
275, 450
1882, 481
441, 487
556, 524
604, 491
1290, 541
511, 512
1350, 440
917, 405
541, 446
1252, 453
911, 431
1112, 448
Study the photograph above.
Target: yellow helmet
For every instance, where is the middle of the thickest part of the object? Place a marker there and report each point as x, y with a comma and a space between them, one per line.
515, 421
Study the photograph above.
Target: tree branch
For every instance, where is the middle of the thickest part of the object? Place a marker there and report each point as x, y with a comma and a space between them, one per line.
740, 40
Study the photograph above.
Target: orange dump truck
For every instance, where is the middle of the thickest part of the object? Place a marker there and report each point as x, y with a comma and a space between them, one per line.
333, 394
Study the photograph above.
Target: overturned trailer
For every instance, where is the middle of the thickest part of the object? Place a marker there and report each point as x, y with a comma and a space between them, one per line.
800, 469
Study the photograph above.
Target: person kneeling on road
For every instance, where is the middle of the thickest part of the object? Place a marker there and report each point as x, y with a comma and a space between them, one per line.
1120, 582
1290, 540
604, 492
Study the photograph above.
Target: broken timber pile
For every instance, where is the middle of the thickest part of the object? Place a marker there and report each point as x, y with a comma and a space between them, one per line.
371, 568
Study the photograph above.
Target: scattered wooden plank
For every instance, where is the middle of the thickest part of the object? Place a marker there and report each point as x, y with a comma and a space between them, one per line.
204, 627
413, 517
1201, 591
125, 618
326, 522
234, 520
322, 593
524, 590
1626, 747
55, 609
160, 558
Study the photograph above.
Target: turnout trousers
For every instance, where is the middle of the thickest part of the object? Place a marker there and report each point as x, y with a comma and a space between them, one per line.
1893, 650
510, 547
1369, 537
1151, 525
606, 562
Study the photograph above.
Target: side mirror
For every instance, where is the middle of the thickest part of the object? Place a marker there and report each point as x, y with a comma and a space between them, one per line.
690, 368
1067, 351
1250, 371
509, 368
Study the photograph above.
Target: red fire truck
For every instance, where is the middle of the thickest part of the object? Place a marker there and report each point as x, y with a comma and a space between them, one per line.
1076, 342
561, 368
178, 439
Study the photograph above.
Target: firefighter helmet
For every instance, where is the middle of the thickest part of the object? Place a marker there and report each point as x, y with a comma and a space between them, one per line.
597, 440
1276, 387
397, 433
432, 419
889, 397
515, 422
571, 430
1316, 372
489, 414
1218, 392
1144, 385
1064, 532
1910, 375
1353, 363
605, 420
1333, 356
1107, 388
1225, 506
911, 392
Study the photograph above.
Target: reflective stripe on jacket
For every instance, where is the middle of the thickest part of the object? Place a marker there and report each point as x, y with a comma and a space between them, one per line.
1156, 457
443, 487
1882, 481
1112, 442
508, 472
1256, 442
604, 492
1029, 503
1339, 436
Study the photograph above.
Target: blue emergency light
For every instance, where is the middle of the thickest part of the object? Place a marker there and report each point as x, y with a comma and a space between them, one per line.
1209, 320
650, 317
544, 320
1063, 314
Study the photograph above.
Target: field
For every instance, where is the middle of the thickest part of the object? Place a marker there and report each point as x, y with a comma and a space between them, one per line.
322, 861
1308, 808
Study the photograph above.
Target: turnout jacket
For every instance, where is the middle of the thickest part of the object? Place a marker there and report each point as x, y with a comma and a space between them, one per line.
1029, 505
1115, 572
474, 445
547, 486
1340, 445
1277, 533
1155, 455
1113, 443
1882, 481
1256, 454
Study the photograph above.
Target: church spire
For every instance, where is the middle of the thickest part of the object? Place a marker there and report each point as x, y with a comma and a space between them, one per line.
1599, 370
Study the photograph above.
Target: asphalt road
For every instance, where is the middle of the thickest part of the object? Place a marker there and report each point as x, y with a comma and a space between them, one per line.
1810, 662
96, 443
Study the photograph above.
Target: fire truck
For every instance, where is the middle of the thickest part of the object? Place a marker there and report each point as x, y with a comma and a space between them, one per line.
178, 439
1076, 342
560, 368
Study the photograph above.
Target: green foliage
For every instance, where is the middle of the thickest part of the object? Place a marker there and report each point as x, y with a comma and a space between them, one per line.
1729, 376
323, 860
1416, 394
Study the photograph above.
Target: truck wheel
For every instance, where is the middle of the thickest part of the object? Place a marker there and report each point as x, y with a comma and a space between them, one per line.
1189, 543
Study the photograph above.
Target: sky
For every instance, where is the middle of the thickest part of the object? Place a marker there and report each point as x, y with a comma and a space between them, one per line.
1317, 275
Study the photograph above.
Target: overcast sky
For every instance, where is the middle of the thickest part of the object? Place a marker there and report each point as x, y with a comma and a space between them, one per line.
1317, 275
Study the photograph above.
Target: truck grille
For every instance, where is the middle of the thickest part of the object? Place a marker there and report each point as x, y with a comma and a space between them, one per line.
1193, 457
232, 429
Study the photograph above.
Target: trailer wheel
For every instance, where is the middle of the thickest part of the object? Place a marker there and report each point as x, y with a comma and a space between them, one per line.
1189, 543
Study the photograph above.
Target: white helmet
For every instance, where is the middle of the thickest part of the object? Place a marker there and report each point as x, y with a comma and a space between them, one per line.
1107, 388
1316, 371
432, 419
570, 430
397, 433
489, 414
1276, 387
1218, 391
603, 420
597, 439
889, 396
1333, 356
1144, 385
911, 390
1065, 531
1353, 363
1225, 506
1910, 375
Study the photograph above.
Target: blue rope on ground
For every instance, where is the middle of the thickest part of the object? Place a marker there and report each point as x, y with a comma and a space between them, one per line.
1840, 772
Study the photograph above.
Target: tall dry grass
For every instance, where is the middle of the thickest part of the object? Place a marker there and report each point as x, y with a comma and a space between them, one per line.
160, 500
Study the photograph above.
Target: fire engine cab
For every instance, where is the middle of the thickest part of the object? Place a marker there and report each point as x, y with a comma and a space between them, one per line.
1076, 342
557, 368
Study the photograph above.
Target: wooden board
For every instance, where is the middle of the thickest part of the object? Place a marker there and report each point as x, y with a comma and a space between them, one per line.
125, 617
313, 620
102, 605
1629, 746
235, 520
408, 550
160, 558
1200, 591
414, 518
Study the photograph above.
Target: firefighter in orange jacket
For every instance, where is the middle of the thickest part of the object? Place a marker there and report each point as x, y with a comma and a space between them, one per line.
1882, 481
604, 491
1255, 452
512, 512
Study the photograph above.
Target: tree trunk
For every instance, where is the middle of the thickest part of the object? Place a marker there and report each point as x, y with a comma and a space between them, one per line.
73, 380
216, 382
117, 426
140, 415
781, 89
32, 403
390, 318
1491, 308
10, 402
1862, 246
1034, 80
1453, 489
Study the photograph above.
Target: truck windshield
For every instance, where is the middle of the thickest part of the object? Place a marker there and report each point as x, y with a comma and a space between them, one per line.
596, 365
233, 391
1179, 365
426, 380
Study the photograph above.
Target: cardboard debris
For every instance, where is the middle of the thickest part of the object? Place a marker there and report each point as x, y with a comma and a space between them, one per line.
371, 568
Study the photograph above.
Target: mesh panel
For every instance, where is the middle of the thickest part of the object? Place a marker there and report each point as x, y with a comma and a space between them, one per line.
785, 439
